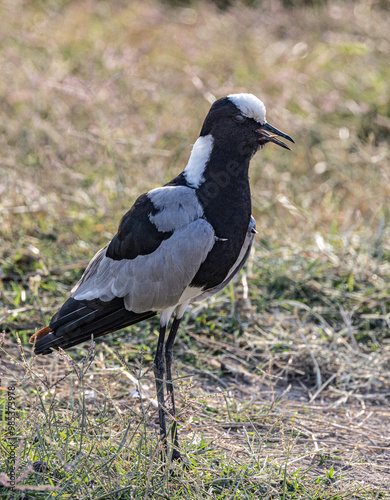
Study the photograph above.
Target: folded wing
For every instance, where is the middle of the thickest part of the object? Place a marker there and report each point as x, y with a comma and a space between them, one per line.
143, 271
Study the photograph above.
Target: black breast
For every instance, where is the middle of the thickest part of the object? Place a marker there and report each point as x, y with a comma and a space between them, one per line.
228, 209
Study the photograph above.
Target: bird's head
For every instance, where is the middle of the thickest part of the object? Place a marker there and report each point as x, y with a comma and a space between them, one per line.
238, 120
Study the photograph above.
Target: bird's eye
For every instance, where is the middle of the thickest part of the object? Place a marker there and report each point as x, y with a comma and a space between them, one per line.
239, 118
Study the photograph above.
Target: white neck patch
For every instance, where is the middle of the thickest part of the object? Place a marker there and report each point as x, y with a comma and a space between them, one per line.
250, 106
199, 157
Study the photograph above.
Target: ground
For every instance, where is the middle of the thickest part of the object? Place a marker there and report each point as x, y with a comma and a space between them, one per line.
283, 379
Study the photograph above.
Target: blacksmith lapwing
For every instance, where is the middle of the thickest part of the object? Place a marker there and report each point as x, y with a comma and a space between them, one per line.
177, 245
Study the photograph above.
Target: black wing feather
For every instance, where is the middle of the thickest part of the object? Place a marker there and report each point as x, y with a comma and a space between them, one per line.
137, 235
77, 320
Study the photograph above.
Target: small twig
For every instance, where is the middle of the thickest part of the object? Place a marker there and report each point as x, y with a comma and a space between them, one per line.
216, 343
325, 384
82, 264
316, 365
150, 470
347, 317
338, 426
301, 305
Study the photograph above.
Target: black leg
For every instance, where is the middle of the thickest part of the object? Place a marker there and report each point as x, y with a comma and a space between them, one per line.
168, 360
159, 371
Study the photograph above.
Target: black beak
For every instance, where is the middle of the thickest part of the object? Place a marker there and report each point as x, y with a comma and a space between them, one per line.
265, 136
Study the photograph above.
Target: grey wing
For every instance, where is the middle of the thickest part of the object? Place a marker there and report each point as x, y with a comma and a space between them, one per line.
238, 265
150, 282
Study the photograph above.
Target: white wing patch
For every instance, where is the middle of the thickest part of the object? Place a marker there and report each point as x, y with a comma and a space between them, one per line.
151, 282
198, 160
177, 205
250, 106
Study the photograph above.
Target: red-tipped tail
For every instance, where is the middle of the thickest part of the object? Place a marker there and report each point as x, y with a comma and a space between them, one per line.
40, 334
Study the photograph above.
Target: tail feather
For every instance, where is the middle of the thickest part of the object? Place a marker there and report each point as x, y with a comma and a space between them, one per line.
76, 321
40, 334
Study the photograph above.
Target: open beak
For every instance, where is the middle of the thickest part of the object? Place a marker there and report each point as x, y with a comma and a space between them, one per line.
268, 133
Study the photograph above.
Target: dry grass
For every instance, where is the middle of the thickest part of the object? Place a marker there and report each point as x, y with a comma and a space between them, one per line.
284, 386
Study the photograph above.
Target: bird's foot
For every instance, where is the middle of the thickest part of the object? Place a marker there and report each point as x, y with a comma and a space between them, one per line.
178, 464
176, 456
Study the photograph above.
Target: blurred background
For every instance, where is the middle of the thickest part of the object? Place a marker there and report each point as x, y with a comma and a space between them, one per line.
101, 101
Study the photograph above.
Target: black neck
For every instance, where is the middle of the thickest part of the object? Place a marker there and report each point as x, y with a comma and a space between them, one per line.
226, 178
